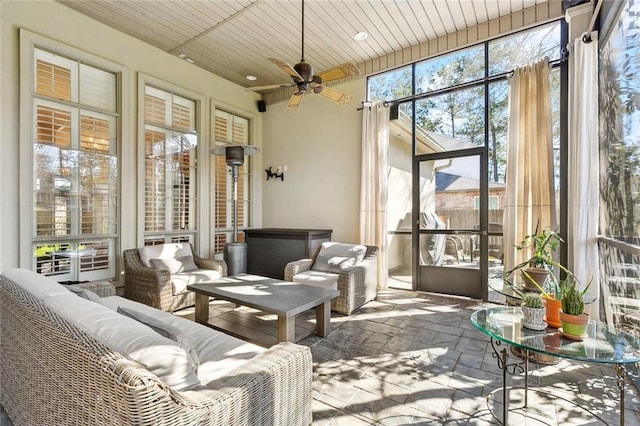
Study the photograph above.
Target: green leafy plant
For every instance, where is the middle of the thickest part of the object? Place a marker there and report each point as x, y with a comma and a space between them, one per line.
533, 300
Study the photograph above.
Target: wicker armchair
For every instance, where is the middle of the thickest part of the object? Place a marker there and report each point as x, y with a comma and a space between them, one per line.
357, 283
154, 287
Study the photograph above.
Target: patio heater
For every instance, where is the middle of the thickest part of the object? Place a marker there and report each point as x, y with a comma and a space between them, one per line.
235, 253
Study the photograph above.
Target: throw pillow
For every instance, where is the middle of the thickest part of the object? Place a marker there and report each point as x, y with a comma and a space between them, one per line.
165, 330
333, 257
175, 265
85, 294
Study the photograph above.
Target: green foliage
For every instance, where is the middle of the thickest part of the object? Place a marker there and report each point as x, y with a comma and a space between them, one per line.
533, 300
572, 301
543, 245
46, 250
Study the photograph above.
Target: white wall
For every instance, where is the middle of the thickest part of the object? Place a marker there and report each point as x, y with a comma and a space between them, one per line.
320, 143
62, 24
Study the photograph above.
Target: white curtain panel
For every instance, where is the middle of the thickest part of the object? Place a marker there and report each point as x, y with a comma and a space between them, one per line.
530, 195
373, 184
583, 185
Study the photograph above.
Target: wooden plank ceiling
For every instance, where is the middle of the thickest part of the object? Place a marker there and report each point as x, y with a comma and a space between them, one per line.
234, 38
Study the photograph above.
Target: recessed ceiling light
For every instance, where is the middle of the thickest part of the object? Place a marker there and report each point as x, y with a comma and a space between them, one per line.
251, 77
360, 36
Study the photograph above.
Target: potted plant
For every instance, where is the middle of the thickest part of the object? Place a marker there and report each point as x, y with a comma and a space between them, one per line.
537, 271
539, 266
533, 312
572, 316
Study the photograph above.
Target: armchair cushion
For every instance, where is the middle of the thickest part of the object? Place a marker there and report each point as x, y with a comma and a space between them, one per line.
333, 257
175, 265
163, 251
181, 280
318, 278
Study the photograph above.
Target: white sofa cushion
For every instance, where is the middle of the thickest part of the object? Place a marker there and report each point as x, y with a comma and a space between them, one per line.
164, 329
163, 251
180, 281
317, 278
160, 355
39, 286
334, 257
217, 352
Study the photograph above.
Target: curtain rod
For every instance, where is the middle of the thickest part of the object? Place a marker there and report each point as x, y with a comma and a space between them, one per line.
367, 104
586, 37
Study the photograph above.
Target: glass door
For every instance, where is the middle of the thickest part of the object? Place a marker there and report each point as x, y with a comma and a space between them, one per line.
450, 222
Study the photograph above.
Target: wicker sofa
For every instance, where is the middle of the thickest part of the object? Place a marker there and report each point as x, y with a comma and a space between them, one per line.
350, 268
59, 366
163, 286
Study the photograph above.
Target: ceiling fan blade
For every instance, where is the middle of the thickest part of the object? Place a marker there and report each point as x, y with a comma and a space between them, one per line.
335, 95
286, 68
272, 86
295, 100
341, 71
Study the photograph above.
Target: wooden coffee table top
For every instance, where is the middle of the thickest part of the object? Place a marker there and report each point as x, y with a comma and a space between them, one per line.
266, 294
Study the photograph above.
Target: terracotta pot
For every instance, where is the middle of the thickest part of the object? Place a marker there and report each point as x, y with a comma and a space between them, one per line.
575, 326
553, 311
552, 342
535, 274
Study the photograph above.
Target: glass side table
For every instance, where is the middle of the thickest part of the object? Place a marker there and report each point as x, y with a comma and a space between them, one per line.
604, 345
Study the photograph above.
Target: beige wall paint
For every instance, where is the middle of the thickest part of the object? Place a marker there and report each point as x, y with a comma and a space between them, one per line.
61, 24
320, 143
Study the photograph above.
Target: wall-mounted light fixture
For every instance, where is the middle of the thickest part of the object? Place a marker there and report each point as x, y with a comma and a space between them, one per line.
278, 174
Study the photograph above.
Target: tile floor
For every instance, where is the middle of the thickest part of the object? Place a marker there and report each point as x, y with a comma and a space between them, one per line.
415, 358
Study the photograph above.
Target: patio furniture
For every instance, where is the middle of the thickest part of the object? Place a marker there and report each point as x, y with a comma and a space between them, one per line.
158, 275
352, 269
604, 345
282, 298
67, 360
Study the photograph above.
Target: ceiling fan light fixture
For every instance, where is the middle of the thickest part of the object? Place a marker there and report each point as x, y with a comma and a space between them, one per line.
362, 35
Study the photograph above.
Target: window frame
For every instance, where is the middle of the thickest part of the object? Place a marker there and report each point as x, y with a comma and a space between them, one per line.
29, 43
247, 176
189, 235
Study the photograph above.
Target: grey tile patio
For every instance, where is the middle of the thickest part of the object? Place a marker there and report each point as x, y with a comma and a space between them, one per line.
415, 358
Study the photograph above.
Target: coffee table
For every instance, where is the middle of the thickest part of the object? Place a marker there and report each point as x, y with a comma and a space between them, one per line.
283, 298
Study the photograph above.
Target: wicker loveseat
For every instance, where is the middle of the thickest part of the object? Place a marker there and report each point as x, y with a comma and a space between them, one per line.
54, 370
350, 268
162, 285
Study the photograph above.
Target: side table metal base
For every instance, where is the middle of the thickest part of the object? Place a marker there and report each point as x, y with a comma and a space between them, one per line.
521, 365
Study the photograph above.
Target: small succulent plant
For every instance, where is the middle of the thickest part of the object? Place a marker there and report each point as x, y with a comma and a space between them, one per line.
572, 302
533, 300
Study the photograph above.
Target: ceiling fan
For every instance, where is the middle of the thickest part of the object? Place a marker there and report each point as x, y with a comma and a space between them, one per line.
305, 80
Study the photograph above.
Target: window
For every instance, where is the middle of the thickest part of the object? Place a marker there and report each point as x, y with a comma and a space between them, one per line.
170, 142
451, 108
75, 168
230, 129
494, 202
